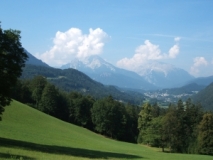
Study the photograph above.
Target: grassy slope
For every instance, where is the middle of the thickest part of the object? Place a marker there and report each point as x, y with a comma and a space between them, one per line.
30, 134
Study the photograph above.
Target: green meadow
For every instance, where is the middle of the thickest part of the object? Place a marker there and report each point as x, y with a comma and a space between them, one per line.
26, 133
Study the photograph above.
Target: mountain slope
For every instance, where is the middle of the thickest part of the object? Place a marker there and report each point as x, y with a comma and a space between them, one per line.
104, 72
205, 81
186, 89
73, 80
164, 75
34, 61
205, 97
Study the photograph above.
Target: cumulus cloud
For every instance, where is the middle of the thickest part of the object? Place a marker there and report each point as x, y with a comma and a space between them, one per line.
174, 51
147, 52
199, 62
74, 44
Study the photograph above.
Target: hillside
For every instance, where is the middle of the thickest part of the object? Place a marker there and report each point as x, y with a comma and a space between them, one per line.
186, 89
205, 97
34, 61
73, 80
205, 81
29, 134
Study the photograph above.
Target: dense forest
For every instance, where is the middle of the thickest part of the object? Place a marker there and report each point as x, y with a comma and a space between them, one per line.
182, 127
205, 97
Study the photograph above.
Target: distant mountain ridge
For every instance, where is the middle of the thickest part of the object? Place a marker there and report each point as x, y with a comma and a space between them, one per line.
154, 75
34, 61
205, 81
189, 88
104, 72
164, 75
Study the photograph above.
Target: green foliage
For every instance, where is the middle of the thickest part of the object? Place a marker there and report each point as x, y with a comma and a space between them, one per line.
205, 98
176, 128
107, 117
79, 109
12, 59
49, 99
179, 127
205, 138
114, 119
37, 86
147, 124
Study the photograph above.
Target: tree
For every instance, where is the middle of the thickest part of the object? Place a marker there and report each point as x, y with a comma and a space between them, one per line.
205, 137
80, 110
12, 60
49, 99
169, 128
144, 119
193, 116
37, 86
107, 117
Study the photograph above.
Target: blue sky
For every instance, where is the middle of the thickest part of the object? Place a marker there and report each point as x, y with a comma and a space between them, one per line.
127, 34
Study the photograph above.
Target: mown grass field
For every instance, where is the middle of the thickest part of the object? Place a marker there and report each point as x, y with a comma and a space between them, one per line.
26, 133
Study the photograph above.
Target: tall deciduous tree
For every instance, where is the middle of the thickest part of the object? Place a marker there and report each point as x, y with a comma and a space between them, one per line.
12, 59
49, 99
107, 117
37, 86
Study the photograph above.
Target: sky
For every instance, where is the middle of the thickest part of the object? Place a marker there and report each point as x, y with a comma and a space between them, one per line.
128, 34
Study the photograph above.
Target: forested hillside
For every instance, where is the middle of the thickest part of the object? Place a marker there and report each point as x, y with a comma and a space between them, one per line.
73, 80
189, 88
205, 97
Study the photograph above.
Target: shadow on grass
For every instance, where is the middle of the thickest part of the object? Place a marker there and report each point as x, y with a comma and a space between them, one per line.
77, 152
12, 156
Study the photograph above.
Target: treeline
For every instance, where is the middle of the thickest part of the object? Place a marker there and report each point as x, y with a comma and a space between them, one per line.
182, 127
106, 116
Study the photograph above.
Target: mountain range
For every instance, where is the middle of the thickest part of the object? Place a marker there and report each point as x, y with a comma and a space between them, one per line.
128, 86
104, 72
154, 75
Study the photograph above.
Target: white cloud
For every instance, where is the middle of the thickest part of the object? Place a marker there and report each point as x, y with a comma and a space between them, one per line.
177, 39
199, 63
73, 43
174, 51
145, 53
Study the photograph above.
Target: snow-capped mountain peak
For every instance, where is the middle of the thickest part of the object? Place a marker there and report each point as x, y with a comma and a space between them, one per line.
153, 73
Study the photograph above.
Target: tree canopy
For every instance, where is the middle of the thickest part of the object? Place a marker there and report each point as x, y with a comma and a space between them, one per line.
12, 60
